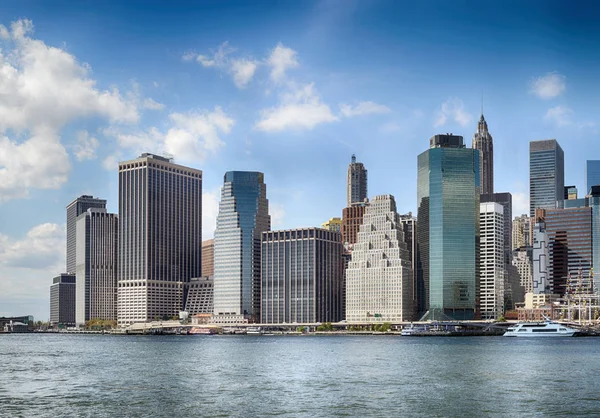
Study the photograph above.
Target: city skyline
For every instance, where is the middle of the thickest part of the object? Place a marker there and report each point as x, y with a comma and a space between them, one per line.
291, 101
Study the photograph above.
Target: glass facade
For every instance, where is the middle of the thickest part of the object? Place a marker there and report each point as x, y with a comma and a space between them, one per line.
243, 216
74, 209
448, 229
546, 175
592, 174
356, 182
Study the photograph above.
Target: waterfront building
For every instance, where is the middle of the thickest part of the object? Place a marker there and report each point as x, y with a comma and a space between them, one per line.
492, 268
62, 300
74, 209
352, 218
482, 141
521, 232
356, 185
409, 228
96, 267
592, 174
540, 258
200, 296
448, 228
243, 217
301, 279
522, 261
546, 175
160, 230
208, 258
379, 275
333, 224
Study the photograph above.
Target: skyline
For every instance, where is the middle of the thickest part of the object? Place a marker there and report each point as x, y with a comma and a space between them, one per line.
260, 87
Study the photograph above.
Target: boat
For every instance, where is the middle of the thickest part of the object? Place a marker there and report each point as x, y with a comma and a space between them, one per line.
547, 328
202, 331
413, 330
254, 331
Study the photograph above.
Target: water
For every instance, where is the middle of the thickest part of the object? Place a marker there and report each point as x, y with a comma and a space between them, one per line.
244, 376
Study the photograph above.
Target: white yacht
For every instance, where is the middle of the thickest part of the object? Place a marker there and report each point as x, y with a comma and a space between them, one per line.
540, 329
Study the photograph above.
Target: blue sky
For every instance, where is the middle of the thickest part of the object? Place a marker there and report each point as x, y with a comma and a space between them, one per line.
291, 89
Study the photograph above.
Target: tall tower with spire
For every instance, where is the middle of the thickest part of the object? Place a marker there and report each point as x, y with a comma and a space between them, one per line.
482, 141
356, 185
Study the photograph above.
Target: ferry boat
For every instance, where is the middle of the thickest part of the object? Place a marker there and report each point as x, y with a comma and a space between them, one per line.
254, 331
540, 329
413, 330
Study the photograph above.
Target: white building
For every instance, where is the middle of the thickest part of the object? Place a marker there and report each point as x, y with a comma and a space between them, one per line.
522, 262
491, 260
520, 232
379, 275
541, 264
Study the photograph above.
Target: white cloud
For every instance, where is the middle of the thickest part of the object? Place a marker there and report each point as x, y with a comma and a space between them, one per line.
300, 109
243, 71
277, 213
559, 116
362, 108
520, 203
548, 86
43, 89
43, 247
152, 105
454, 109
205, 61
86, 146
210, 210
280, 60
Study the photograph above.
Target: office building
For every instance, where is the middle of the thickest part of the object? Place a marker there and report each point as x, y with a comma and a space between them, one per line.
208, 258
521, 228
352, 218
570, 193
482, 141
356, 185
301, 276
333, 224
74, 209
200, 296
546, 175
492, 269
160, 237
448, 228
379, 276
243, 217
96, 266
62, 301
409, 228
592, 174
504, 199
540, 258
522, 261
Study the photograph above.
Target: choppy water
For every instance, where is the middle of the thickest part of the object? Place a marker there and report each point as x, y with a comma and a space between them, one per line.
131, 376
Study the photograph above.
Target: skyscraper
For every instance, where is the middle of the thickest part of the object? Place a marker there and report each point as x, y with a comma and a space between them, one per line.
379, 276
96, 271
592, 174
208, 258
74, 209
448, 227
482, 141
160, 237
352, 218
62, 300
493, 271
521, 232
243, 217
301, 276
546, 175
356, 183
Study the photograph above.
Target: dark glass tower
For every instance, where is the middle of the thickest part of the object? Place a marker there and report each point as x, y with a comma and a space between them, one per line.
482, 141
546, 175
447, 228
592, 174
356, 182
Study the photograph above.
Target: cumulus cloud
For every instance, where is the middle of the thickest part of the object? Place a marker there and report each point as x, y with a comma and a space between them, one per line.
43, 89
86, 146
243, 71
453, 109
299, 109
520, 202
152, 104
548, 86
41, 248
362, 108
277, 213
280, 60
559, 116
210, 210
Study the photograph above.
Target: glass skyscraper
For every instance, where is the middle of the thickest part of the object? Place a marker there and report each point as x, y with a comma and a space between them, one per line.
74, 209
592, 174
356, 184
243, 216
447, 228
546, 175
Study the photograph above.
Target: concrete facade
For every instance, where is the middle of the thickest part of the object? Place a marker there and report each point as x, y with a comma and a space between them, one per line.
356, 185
74, 209
62, 300
492, 270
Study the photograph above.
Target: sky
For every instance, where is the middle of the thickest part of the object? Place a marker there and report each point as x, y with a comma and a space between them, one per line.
288, 88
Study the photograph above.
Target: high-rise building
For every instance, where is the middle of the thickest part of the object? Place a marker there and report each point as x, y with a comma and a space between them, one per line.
352, 218
570, 193
448, 228
521, 232
96, 267
243, 217
208, 258
379, 276
409, 227
540, 258
592, 174
546, 175
74, 209
62, 300
357, 182
333, 224
492, 271
160, 237
482, 141
301, 276
522, 261
504, 199
200, 296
